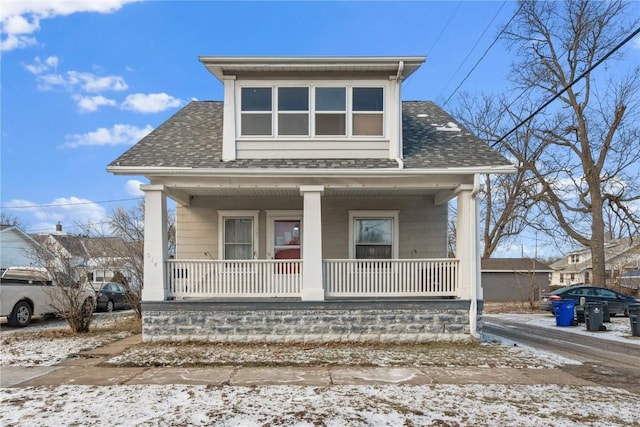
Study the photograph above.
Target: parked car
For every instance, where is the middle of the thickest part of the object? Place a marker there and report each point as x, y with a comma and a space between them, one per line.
617, 303
31, 291
112, 296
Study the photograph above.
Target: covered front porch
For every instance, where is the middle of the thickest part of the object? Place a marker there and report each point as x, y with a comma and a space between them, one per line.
229, 251
362, 238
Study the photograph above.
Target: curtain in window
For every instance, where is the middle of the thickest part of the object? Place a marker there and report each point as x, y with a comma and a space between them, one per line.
238, 238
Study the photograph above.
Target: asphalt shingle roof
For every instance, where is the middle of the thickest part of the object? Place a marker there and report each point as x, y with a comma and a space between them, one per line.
193, 138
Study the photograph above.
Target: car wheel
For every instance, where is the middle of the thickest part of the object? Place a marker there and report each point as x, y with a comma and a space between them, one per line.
20, 315
88, 307
109, 306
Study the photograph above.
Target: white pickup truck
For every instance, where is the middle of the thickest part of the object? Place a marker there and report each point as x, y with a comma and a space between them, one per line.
29, 291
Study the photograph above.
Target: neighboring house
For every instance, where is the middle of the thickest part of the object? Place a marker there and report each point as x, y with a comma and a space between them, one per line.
311, 205
94, 260
621, 255
17, 248
514, 279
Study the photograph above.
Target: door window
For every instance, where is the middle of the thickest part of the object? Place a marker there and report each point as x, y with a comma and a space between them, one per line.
286, 239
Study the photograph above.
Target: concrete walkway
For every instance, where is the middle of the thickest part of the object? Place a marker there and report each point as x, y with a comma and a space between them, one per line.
84, 370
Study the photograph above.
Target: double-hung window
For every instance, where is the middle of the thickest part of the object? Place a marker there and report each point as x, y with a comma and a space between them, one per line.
237, 234
324, 111
331, 111
373, 234
368, 111
293, 111
256, 106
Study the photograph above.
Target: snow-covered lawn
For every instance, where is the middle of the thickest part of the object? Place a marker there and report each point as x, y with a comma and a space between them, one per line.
48, 342
354, 405
388, 405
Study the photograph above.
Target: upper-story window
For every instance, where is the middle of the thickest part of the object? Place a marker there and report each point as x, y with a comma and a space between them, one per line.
367, 110
574, 259
331, 111
312, 111
256, 111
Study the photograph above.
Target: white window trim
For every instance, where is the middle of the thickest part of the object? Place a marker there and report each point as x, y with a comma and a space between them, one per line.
222, 214
348, 84
272, 215
387, 214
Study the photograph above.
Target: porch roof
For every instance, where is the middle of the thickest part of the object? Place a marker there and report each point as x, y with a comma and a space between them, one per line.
192, 138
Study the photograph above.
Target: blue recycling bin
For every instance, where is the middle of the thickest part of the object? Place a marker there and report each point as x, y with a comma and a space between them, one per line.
564, 312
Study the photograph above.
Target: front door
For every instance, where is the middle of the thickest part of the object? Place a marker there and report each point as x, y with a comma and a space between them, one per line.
284, 230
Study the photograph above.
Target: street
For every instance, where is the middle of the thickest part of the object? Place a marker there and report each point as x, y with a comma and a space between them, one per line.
608, 363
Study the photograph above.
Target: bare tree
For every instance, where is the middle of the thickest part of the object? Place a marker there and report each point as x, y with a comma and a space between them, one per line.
508, 199
12, 220
70, 299
126, 248
586, 143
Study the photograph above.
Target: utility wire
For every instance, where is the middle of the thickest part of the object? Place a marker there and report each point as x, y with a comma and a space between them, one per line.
566, 88
472, 48
51, 205
444, 28
484, 54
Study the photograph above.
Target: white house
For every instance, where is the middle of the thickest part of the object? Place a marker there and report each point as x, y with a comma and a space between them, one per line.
621, 255
311, 206
17, 248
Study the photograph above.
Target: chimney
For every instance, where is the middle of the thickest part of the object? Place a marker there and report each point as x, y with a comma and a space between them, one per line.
58, 227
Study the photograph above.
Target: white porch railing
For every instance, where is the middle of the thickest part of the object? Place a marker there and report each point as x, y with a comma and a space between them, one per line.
398, 277
243, 278
283, 278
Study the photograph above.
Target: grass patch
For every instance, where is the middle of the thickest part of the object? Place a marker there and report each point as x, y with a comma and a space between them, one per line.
124, 324
437, 354
510, 307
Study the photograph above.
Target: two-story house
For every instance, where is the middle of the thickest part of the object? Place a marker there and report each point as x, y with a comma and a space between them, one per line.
621, 255
311, 205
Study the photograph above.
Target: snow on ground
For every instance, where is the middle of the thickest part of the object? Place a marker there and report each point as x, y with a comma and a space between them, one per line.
48, 342
388, 405
619, 329
357, 405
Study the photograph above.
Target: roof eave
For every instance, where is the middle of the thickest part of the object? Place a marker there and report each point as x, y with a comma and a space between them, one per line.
189, 171
217, 65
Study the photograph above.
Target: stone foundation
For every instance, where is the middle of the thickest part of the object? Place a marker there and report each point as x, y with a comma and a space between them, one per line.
307, 322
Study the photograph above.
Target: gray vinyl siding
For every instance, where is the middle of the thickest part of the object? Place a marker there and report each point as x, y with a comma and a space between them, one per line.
513, 286
423, 226
313, 149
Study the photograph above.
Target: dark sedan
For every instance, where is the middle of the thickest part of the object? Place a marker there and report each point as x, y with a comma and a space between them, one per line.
617, 303
111, 296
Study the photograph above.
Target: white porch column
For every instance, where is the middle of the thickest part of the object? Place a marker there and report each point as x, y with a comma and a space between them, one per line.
468, 249
155, 242
312, 289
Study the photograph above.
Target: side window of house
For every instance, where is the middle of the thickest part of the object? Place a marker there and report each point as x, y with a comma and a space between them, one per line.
373, 238
256, 107
238, 238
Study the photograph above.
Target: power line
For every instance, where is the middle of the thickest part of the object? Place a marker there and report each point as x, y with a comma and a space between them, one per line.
483, 55
473, 48
566, 88
444, 28
51, 205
